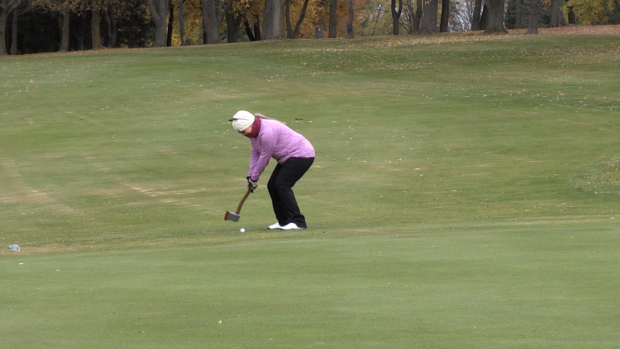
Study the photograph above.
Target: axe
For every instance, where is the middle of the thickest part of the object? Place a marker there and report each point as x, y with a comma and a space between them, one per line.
230, 216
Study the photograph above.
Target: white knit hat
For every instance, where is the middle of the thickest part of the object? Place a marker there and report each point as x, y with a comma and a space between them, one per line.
242, 120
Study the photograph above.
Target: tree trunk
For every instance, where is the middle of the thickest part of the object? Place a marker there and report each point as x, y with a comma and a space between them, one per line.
571, 16
428, 25
410, 16
159, 9
302, 16
182, 24
170, 24
3, 20
445, 16
617, 12
557, 16
112, 26
13, 49
287, 18
333, 18
517, 14
417, 18
95, 26
475, 22
248, 30
232, 26
209, 21
396, 16
272, 20
484, 18
496, 17
66, 20
291, 33
532, 28
350, 33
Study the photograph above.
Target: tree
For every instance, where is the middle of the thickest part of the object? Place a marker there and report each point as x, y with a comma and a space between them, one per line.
290, 32
182, 24
417, 18
233, 22
445, 16
213, 12
95, 26
461, 15
271, 20
63, 9
428, 24
517, 14
532, 27
495, 24
112, 26
593, 11
557, 15
396, 15
159, 9
333, 18
350, 33
170, 24
475, 22
26, 5
6, 8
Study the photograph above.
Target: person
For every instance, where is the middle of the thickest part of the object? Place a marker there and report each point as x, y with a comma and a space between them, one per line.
271, 138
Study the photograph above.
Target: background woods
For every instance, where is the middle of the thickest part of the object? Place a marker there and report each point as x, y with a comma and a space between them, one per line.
31, 26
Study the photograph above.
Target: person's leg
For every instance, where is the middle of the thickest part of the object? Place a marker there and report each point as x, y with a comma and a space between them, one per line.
289, 173
275, 198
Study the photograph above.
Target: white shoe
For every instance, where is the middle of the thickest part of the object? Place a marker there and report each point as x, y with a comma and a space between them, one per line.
276, 225
290, 226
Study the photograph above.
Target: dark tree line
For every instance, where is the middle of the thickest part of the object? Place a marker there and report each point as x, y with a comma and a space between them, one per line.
32, 26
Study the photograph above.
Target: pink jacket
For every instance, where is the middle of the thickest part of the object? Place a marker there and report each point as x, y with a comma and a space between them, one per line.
278, 141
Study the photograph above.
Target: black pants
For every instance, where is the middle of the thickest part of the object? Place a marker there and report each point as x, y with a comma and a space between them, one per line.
280, 188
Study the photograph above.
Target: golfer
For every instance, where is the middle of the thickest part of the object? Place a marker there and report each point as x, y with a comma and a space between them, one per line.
272, 139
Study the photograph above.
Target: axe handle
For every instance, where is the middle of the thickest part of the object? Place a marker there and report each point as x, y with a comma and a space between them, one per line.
242, 201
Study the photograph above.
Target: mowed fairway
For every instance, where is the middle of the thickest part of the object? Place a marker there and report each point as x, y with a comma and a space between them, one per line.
465, 194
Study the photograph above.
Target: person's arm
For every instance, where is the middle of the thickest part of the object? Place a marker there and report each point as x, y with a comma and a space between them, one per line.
261, 154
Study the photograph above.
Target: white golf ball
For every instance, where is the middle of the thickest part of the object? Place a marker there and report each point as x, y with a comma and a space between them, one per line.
242, 230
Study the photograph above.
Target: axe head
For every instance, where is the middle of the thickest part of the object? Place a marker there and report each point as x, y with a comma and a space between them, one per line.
231, 216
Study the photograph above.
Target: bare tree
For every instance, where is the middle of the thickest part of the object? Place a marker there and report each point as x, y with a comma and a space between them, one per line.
182, 24
517, 13
271, 20
475, 22
428, 23
557, 15
290, 32
95, 26
6, 8
213, 13
462, 17
333, 18
350, 33
532, 28
417, 18
170, 24
159, 9
495, 24
445, 16
396, 15
233, 24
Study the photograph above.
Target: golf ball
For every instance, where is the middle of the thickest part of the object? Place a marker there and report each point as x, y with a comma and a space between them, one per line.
242, 230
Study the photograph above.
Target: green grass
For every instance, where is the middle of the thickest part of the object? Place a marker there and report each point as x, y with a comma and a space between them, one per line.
464, 195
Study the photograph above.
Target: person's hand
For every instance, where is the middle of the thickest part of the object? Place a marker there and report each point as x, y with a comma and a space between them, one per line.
252, 184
